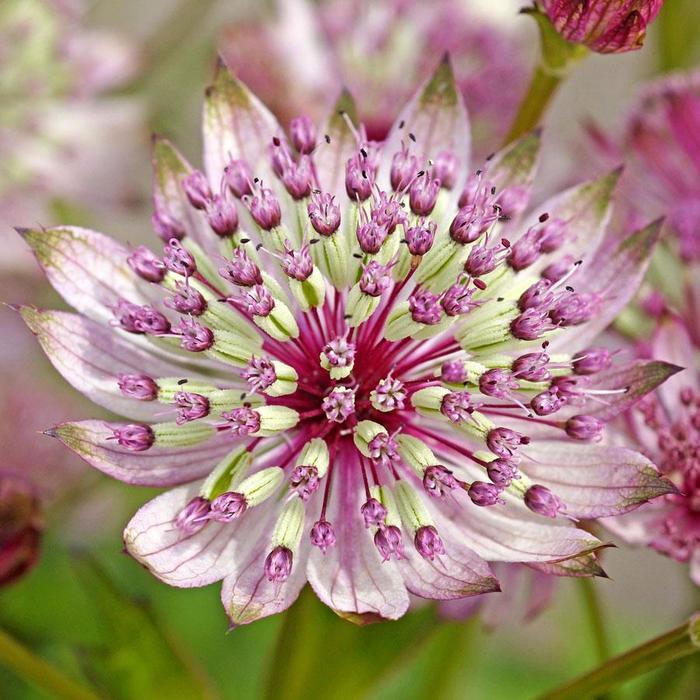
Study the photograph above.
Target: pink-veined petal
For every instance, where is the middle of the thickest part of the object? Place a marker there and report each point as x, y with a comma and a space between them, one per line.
458, 573
157, 466
91, 355
88, 269
594, 480
236, 126
176, 558
351, 577
437, 119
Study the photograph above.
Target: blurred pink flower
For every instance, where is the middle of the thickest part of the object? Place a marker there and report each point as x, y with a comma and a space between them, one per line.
666, 426
20, 527
375, 373
604, 26
63, 139
380, 51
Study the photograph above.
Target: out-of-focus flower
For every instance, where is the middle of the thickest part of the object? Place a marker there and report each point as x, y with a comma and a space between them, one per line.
604, 26
667, 427
20, 527
663, 159
380, 51
386, 382
62, 140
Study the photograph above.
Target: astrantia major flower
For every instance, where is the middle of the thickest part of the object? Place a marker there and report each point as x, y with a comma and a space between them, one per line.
352, 361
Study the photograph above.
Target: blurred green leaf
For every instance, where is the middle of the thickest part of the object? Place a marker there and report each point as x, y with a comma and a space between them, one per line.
319, 655
138, 658
677, 30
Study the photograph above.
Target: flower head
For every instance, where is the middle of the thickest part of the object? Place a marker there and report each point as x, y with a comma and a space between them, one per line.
605, 26
367, 425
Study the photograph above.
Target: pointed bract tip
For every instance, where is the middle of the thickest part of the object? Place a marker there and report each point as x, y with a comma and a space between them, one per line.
602, 573
22, 230
51, 432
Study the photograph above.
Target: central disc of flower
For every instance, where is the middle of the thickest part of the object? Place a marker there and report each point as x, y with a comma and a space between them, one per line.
367, 351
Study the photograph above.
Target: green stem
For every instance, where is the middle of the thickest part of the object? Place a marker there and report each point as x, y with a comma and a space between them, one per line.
557, 58
22, 661
676, 644
594, 613
542, 88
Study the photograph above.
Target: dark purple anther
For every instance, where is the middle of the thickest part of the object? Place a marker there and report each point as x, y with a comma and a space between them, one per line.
428, 542
420, 238
458, 300
539, 499
502, 471
547, 402
525, 251
304, 481
481, 261
445, 169
466, 227
278, 564
241, 270
229, 506
178, 259
573, 309
375, 278
265, 209
532, 324
324, 213
552, 235
498, 383
453, 372
297, 264
425, 307
238, 178
197, 189
138, 386
194, 336
373, 512
297, 178
258, 301
423, 195
194, 516
438, 480
532, 367
190, 407
146, 264
359, 178
559, 269
187, 300
222, 215
371, 236
303, 133
404, 166
259, 373
242, 421
134, 437
166, 225
536, 295
457, 406
280, 156
482, 493
587, 428
389, 543
322, 535
504, 441
593, 360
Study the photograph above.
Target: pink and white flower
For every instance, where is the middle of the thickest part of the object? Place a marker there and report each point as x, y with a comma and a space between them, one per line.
322, 416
